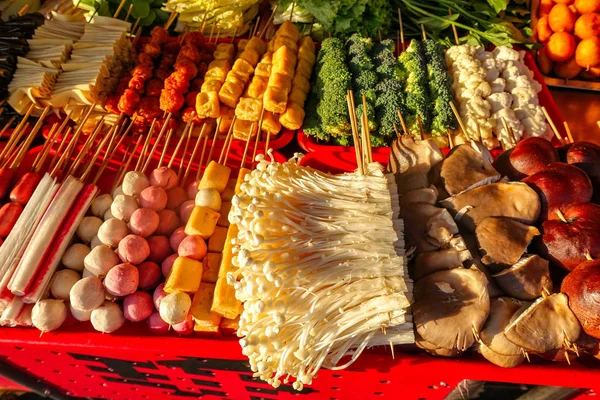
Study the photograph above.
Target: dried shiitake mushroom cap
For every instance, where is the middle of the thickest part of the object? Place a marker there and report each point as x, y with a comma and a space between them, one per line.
465, 168
548, 324
502, 241
449, 305
492, 336
527, 279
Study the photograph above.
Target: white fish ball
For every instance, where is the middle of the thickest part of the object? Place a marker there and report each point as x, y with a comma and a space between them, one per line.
62, 282
74, 255
174, 307
88, 228
134, 182
123, 206
87, 294
108, 317
48, 315
100, 260
112, 232
101, 204
210, 198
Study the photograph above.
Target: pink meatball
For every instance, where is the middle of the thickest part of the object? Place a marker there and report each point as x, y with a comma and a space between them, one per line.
122, 280
169, 221
193, 189
143, 222
185, 327
193, 247
150, 275
133, 249
159, 294
153, 197
159, 248
168, 264
185, 210
156, 324
163, 177
175, 197
177, 237
137, 306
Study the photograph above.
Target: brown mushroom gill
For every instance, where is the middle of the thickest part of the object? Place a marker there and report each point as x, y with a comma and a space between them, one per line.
527, 279
411, 160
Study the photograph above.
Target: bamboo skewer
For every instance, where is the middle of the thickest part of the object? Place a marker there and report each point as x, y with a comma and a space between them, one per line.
463, 128
170, 20
180, 142
227, 138
184, 156
214, 141
121, 4
401, 28
454, 29
162, 155
423, 34
202, 158
193, 156
128, 12
353, 124
246, 147
402, 122
262, 32
560, 139
568, 130
140, 165
367, 130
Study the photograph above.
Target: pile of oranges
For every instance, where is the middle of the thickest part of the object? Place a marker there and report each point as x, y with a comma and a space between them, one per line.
570, 32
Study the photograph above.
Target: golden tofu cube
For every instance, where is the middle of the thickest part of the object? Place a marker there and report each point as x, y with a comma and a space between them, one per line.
224, 301
208, 105
243, 68
267, 58
256, 44
210, 267
257, 86
263, 70
229, 191
271, 122
275, 100
241, 179
235, 78
248, 109
286, 69
241, 129
306, 54
226, 263
288, 30
211, 85
230, 326
284, 55
230, 93
217, 240
293, 116
271, 45
307, 43
282, 41
250, 55
227, 114
224, 51
218, 74
297, 96
304, 68
226, 47
280, 82
204, 319
224, 220
185, 275
222, 63
242, 45
300, 82
202, 222
215, 176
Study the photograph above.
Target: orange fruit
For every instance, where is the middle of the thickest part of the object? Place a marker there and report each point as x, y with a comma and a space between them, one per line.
567, 69
587, 6
561, 18
561, 46
592, 74
588, 52
588, 25
567, 2
544, 62
543, 29
545, 7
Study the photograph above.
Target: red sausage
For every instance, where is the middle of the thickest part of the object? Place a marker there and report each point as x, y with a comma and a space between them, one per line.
7, 176
22, 191
9, 214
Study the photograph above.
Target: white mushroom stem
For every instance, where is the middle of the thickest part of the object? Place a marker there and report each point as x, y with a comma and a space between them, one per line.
321, 268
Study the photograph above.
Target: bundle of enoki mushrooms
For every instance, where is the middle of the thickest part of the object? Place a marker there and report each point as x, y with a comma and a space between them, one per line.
321, 268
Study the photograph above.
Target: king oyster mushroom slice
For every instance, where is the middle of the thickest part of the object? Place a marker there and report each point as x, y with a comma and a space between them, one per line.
548, 324
527, 279
448, 305
411, 160
427, 195
465, 168
432, 261
494, 346
502, 241
513, 200
434, 350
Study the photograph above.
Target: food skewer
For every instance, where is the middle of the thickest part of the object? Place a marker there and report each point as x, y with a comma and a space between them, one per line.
568, 130
554, 129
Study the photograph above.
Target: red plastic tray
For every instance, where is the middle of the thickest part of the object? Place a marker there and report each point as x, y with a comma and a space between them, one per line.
545, 98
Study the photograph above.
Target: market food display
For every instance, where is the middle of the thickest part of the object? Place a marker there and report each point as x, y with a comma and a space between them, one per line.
478, 235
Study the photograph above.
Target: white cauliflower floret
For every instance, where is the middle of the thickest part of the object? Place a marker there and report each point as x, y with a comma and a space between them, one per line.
499, 101
492, 74
523, 96
498, 85
506, 53
483, 89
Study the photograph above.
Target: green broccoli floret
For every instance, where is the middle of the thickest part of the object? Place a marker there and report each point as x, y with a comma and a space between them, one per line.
413, 71
390, 100
440, 89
